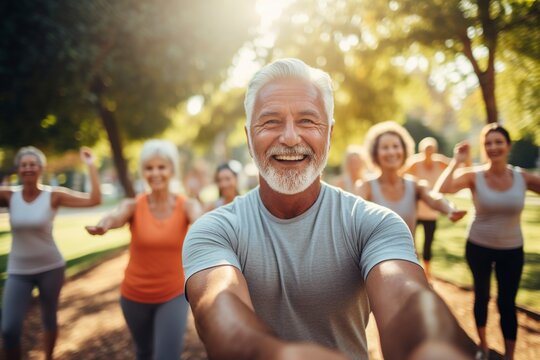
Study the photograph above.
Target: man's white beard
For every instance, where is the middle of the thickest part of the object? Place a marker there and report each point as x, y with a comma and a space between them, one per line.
290, 181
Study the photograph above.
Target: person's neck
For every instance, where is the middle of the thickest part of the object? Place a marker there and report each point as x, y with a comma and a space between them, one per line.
428, 160
285, 206
497, 167
159, 197
389, 176
31, 188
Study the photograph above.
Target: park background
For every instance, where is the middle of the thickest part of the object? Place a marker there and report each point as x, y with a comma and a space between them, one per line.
112, 74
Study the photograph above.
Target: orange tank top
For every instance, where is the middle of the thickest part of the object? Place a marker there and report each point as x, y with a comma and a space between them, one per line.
154, 273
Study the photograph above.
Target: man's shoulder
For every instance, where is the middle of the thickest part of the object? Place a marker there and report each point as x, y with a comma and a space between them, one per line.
353, 202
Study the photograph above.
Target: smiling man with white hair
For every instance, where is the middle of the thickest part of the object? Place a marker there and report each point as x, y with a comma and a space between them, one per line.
292, 269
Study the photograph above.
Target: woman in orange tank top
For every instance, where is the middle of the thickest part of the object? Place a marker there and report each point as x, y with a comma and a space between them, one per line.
152, 292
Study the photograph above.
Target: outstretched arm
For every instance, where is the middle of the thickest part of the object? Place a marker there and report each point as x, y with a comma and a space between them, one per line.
413, 321
115, 219
532, 181
437, 202
66, 197
227, 323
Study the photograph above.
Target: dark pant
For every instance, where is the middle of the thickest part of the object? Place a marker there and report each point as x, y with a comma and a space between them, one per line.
429, 232
508, 267
17, 297
157, 329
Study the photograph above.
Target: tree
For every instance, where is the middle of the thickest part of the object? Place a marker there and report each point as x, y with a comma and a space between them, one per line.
524, 153
125, 63
470, 28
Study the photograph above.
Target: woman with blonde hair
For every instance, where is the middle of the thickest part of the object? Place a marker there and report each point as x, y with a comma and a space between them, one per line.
494, 239
152, 292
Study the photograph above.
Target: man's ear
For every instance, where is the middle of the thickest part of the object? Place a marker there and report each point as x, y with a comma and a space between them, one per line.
248, 141
330, 134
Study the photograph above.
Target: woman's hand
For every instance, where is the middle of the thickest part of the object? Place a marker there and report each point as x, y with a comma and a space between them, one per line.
462, 152
95, 230
100, 228
455, 214
87, 156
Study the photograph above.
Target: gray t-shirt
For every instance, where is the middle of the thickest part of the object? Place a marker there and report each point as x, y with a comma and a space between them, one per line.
305, 275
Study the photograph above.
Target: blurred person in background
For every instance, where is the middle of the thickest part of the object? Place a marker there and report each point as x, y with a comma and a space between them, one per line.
495, 239
352, 170
427, 165
152, 292
226, 180
388, 145
34, 259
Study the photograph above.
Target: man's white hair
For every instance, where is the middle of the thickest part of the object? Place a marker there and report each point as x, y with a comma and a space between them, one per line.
285, 69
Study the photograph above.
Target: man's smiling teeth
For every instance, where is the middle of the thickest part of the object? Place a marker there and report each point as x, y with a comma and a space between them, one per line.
289, 157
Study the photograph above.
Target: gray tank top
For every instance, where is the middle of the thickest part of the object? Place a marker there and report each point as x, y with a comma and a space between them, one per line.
496, 222
33, 249
406, 207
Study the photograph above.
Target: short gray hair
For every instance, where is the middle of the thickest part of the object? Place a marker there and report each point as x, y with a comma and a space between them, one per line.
31, 150
290, 68
162, 148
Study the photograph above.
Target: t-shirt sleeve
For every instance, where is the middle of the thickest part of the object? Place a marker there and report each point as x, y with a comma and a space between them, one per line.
209, 243
384, 236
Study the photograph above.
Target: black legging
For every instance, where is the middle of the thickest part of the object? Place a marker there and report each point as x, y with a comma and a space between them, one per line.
508, 268
429, 233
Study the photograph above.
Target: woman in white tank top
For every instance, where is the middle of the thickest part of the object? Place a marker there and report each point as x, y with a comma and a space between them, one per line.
388, 145
34, 259
494, 236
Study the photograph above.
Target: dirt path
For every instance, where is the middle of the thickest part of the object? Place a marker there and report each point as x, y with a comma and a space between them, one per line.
92, 326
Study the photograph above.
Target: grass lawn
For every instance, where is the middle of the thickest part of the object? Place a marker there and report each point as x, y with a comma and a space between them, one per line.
80, 249
449, 263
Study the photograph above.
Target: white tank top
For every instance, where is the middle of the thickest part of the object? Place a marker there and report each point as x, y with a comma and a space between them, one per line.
496, 222
405, 207
33, 249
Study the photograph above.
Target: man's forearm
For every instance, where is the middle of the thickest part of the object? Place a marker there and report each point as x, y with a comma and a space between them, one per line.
231, 330
425, 319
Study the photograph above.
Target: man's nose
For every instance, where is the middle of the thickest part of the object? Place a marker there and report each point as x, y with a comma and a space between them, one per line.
290, 135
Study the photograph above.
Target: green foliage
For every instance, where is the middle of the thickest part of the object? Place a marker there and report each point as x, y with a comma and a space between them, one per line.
147, 56
524, 153
419, 131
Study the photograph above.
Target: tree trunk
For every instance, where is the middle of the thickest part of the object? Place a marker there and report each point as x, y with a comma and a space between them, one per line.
109, 122
487, 84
